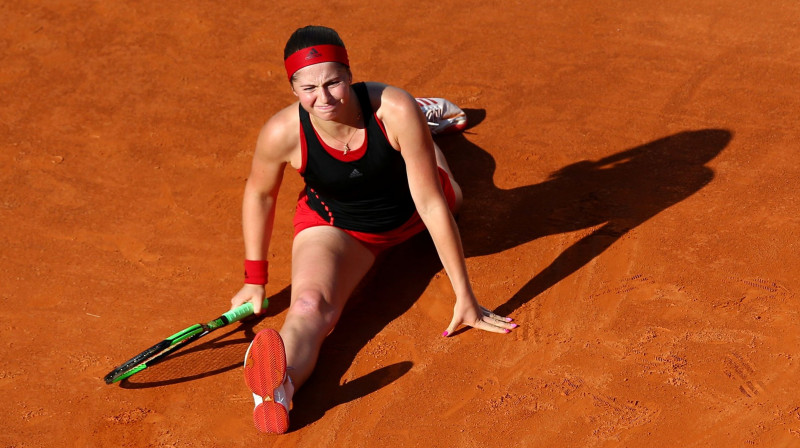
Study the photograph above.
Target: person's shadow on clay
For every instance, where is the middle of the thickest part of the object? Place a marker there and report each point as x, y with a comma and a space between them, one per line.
616, 193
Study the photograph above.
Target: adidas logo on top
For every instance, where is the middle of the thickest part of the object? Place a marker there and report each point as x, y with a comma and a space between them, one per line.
313, 54
355, 173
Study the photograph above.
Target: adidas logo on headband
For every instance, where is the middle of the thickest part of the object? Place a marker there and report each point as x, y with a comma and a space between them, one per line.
313, 54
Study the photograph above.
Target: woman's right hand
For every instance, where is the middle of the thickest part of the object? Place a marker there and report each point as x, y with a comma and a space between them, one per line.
250, 293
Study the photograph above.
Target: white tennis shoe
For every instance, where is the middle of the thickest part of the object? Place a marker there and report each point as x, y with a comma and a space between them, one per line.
443, 116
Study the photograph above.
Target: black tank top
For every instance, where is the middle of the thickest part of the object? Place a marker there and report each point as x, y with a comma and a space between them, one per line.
368, 194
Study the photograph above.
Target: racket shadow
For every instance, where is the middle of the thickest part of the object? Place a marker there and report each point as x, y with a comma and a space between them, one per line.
216, 353
201, 359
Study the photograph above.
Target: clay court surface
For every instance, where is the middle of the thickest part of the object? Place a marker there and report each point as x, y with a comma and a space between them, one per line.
631, 201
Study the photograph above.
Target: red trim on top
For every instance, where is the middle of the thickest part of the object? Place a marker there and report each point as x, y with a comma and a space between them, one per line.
335, 153
353, 154
305, 218
303, 150
380, 124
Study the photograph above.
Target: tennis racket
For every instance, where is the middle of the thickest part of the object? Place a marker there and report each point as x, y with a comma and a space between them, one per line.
158, 352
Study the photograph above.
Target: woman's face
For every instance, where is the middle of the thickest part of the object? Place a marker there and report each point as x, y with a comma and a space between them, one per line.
323, 89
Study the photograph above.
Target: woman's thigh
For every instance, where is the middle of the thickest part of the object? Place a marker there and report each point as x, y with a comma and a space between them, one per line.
328, 263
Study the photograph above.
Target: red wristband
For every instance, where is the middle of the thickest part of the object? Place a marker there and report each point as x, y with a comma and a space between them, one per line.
255, 272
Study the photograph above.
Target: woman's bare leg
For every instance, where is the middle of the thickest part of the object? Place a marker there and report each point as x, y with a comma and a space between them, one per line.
327, 265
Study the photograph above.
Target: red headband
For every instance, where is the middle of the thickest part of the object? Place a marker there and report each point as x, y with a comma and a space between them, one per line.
315, 55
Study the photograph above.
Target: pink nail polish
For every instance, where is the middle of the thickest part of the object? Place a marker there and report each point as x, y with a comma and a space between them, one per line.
514, 325
444, 335
508, 319
507, 331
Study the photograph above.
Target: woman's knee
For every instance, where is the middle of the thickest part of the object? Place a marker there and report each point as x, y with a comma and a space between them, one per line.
313, 306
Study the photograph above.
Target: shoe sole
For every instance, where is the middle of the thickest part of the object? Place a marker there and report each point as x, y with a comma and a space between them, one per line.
451, 125
264, 372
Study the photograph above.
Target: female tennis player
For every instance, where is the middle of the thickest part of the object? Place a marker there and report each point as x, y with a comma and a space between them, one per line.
373, 179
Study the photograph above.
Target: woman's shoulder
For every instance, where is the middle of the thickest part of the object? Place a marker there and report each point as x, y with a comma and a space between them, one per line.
279, 136
380, 91
282, 118
388, 100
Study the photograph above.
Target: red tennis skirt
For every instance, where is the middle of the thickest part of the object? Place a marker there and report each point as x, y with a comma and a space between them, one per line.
304, 218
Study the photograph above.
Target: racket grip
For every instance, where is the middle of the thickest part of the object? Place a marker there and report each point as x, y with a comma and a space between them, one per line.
242, 311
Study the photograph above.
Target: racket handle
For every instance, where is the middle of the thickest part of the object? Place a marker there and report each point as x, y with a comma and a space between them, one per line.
243, 311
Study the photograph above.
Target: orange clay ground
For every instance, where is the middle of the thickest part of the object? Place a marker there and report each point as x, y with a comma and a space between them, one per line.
631, 201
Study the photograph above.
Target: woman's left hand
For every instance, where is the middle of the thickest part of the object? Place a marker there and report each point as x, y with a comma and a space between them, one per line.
470, 313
